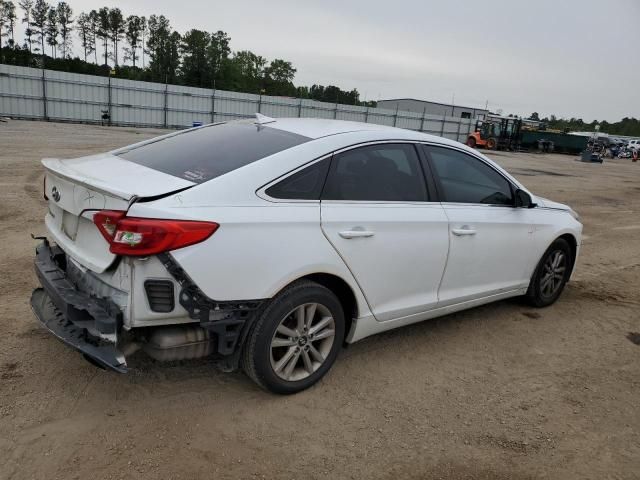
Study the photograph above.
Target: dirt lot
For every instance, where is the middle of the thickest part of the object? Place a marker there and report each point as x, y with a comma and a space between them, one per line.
500, 392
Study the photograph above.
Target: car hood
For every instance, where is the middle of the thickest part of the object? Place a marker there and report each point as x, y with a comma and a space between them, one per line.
546, 203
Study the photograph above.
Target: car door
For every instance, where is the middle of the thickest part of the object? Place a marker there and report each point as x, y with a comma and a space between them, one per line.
376, 212
490, 241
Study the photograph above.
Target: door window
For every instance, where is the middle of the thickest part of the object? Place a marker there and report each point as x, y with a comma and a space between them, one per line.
303, 185
385, 172
465, 179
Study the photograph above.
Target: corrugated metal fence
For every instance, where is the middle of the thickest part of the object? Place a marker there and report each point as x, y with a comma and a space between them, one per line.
60, 96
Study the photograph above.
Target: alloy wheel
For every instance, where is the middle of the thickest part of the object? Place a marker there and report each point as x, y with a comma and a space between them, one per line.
302, 341
554, 269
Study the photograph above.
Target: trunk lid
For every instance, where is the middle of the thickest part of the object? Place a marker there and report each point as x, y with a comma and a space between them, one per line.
79, 187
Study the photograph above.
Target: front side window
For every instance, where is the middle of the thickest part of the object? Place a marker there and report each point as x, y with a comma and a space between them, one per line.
465, 179
385, 172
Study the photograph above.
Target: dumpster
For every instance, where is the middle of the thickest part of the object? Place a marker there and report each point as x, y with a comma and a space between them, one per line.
562, 142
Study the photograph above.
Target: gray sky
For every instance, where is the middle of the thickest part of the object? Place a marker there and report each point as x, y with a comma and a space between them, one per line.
566, 57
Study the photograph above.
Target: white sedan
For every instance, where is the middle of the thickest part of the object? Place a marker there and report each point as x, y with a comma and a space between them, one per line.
271, 243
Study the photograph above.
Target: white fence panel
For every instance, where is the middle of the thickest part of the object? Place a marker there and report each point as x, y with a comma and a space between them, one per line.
46, 94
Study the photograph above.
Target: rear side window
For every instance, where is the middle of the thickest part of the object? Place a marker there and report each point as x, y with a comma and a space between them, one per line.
303, 185
385, 172
208, 152
465, 179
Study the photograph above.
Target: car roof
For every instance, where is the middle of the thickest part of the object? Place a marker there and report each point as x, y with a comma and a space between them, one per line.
322, 127
319, 127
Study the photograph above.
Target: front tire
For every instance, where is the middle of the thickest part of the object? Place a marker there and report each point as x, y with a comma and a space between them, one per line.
551, 274
296, 339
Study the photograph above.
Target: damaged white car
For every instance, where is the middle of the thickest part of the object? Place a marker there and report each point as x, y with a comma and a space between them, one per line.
271, 243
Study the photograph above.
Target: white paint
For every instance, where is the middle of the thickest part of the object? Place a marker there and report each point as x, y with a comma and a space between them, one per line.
410, 269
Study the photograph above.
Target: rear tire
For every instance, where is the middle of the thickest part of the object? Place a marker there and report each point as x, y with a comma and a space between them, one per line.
296, 339
471, 142
551, 274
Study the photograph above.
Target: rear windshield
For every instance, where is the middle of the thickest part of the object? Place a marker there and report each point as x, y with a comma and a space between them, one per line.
208, 152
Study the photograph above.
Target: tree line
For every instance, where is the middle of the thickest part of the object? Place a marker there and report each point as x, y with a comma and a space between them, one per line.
145, 48
627, 126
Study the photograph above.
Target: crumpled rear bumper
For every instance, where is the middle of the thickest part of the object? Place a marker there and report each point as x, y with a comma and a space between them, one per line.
88, 324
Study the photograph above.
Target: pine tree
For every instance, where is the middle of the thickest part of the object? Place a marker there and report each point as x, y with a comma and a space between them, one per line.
116, 30
52, 30
65, 22
103, 30
27, 7
143, 34
39, 16
10, 21
93, 29
83, 26
132, 34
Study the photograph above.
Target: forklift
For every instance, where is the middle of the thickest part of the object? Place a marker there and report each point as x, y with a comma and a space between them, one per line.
496, 133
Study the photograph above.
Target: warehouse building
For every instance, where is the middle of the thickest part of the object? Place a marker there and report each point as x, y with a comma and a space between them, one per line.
431, 108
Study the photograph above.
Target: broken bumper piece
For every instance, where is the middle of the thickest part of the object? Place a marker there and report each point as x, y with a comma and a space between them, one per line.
88, 324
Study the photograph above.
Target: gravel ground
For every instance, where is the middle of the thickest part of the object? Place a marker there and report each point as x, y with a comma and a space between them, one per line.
498, 392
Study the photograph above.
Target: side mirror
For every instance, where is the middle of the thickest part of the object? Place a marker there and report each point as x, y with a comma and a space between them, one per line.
524, 200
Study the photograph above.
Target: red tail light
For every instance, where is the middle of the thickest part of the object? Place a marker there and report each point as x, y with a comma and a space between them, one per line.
149, 236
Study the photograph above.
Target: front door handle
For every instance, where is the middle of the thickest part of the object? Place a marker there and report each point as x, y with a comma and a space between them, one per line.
465, 230
348, 234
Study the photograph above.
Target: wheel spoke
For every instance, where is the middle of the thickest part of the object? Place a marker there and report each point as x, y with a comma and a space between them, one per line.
324, 321
309, 315
285, 358
300, 318
326, 333
557, 259
286, 331
308, 366
291, 365
282, 342
547, 285
315, 353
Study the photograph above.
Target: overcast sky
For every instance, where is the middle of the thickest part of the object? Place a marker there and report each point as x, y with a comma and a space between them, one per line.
566, 57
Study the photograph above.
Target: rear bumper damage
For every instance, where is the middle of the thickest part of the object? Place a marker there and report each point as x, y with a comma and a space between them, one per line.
92, 324
88, 324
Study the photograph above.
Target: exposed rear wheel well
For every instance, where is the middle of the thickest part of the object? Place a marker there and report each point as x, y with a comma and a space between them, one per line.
343, 291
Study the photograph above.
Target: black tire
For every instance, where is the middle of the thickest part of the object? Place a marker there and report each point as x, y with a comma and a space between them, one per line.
471, 142
256, 359
541, 293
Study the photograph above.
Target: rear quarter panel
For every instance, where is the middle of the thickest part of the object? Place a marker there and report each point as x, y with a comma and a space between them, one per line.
258, 249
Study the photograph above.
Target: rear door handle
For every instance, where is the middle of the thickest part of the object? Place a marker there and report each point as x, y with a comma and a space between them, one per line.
465, 230
348, 234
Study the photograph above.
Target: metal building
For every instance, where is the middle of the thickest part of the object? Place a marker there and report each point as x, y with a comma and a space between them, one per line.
431, 108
